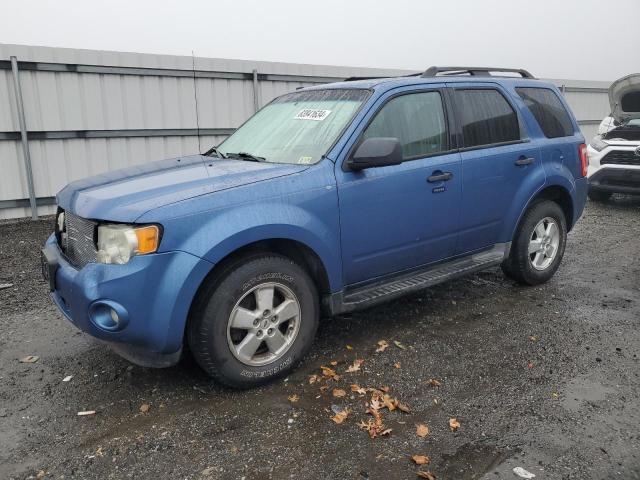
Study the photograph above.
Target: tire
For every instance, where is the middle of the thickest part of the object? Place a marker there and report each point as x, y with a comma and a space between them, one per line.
280, 343
599, 195
540, 265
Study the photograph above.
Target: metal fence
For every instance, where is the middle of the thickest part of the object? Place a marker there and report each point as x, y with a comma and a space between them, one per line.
67, 113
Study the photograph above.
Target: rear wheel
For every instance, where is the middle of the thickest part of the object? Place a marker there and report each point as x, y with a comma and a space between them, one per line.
538, 245
254, 323
599, 195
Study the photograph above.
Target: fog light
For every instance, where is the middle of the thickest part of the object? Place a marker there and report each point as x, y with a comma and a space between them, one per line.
108, 315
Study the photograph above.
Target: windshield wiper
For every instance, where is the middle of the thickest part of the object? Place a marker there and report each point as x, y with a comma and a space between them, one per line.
214, 151
246, 156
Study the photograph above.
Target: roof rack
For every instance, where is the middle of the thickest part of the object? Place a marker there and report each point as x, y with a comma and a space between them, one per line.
355, 79
473, 71
451, 71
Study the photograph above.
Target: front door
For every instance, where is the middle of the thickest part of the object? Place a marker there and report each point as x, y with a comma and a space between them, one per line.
399, 217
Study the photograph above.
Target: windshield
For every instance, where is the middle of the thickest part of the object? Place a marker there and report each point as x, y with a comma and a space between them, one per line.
296, 128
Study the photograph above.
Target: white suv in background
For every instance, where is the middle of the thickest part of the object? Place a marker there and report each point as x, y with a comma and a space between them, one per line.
614, 154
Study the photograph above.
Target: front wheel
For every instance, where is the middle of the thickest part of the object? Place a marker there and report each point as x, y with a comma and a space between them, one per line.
538, 245
254, 323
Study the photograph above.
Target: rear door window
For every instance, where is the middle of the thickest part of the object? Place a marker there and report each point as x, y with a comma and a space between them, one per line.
486, 118
417, 120
548, 111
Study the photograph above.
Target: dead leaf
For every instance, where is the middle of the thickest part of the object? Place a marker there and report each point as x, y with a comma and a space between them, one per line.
358, 389
396, 365
313, 379
399, 345
533, 338
99, 452
375, 427
339, 393
382, 346
333, 363
30, 359
420, 459
422, 430
329, 373
324, 388
355, 367
427, 475
434, 383
293, 398
403, 407
341, 416
41, 474
86, 412
454, 424
385, 389
390, 403
144, 408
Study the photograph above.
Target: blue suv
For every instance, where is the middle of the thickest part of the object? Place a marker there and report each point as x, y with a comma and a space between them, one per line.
329, 199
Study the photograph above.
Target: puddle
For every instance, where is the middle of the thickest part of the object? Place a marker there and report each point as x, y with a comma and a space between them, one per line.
472, 461
582, 391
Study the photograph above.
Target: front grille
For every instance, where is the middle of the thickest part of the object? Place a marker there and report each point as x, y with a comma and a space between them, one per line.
78, 240
621, 157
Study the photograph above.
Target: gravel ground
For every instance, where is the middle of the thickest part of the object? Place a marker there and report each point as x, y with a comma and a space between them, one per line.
543, 378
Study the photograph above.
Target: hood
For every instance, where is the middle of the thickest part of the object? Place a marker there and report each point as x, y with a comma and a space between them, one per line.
624, 98
124, 195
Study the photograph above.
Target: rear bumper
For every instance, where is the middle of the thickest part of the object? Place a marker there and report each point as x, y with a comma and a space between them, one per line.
579, 199
616, 180
151, 294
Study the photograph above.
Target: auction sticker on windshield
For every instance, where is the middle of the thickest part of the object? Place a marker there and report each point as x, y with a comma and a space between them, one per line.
312, 114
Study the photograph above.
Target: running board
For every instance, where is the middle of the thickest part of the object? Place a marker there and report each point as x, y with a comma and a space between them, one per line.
372, 294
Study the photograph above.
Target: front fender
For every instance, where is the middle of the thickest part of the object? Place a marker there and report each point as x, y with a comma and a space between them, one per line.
306, 229
213, 237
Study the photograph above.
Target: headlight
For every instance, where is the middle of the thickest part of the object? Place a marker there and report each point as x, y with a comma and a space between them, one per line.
118, 243
597, 143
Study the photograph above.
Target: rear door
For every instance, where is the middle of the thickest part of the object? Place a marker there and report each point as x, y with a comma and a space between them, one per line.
497, 157
553, 120
398, 217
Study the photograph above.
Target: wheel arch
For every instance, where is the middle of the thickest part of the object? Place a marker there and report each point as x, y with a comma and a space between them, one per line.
295, 250
555, 193
561, 196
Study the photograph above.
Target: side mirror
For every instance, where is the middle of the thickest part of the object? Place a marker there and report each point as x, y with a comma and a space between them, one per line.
376, 152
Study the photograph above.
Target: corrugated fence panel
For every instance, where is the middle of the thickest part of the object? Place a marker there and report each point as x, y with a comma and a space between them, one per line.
145, 108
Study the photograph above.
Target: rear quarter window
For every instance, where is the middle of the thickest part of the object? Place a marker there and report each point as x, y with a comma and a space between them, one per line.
546, 107
486, 117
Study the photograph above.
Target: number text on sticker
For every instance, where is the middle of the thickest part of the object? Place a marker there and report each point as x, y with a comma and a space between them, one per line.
312, 114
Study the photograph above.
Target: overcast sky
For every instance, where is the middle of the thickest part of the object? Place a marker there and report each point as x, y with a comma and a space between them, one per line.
578, 39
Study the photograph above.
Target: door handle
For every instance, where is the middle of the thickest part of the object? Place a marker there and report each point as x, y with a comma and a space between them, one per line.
521, 162
440, 177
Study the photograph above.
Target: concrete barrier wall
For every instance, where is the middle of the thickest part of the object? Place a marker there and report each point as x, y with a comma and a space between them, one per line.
89, 111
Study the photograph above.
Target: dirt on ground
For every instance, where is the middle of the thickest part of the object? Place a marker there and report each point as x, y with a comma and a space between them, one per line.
545, 378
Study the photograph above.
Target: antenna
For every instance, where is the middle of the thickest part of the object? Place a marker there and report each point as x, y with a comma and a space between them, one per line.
195, 97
